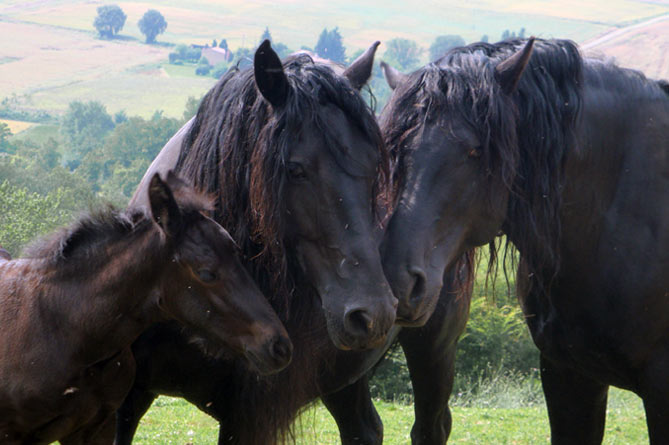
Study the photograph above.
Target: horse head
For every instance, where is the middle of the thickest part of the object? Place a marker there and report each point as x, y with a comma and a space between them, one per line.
453, 188
205, 285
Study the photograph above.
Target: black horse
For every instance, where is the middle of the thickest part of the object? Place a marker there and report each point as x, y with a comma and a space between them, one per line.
569, 158
255, 410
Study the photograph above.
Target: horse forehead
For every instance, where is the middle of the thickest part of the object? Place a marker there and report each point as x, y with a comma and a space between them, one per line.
345, 132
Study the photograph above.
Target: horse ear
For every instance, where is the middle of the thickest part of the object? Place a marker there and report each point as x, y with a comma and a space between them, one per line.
164, 208
270, 78
393, 77
361, 69
508, 72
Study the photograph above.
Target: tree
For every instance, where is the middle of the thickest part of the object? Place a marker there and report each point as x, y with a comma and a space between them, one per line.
243, 58
266, 36
110, 20
403, 53
442, 44
151, 24
223, 44
5, 133
330, 46
84, 126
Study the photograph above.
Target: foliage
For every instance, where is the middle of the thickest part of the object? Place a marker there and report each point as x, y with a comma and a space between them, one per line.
281, 49
510, 35
404, 54
116, 167
84, 126
192, 104
330, 46
109, 21
185, 53
9, 110
5, 133
151, 24
390, 379
219, 69
442, 44
202, 70
223, 44
243, 58
266, 36
26, 215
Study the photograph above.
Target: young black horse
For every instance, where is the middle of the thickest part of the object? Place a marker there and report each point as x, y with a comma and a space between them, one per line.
71, 309
569, 158
320, 215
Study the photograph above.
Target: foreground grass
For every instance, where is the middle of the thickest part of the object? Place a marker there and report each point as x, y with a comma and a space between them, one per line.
174, 421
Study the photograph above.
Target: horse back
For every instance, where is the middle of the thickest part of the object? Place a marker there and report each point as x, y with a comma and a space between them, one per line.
165, 161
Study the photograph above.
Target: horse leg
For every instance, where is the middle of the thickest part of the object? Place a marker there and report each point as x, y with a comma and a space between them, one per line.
354, 412
430, 355
432, 370
654, 391
576, 405
135, 405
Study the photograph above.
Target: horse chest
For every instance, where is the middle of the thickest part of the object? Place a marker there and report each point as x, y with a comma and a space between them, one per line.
581, 338
61, 405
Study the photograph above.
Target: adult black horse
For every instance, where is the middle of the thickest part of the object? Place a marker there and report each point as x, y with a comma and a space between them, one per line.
297, 161
569, 158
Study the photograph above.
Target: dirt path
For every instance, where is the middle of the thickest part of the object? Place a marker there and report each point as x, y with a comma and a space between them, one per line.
619, 32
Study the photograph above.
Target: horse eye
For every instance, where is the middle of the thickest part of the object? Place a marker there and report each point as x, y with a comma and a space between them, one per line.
296, 171
206, 276
475, 152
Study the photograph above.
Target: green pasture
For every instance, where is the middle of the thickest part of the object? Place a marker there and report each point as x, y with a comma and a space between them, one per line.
174, 421
137, 94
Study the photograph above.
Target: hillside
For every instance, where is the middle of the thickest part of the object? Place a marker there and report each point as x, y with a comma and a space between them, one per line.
644, 47
54, 57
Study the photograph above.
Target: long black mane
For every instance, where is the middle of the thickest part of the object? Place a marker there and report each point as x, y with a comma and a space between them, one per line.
525, 138
238, 148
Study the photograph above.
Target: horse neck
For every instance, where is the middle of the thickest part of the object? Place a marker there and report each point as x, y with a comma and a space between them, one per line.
108, 307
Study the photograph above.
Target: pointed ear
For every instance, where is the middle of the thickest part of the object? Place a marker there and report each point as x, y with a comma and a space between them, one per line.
270, 78
361, 69
164, 208
508, 72
393, 77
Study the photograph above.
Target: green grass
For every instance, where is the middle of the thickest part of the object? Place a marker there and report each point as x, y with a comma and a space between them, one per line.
38, 133
174, 421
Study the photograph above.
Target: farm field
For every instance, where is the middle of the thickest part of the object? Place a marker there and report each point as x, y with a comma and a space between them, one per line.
174, 421
54, 56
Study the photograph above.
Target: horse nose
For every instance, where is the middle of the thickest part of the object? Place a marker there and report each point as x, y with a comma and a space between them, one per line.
419, 284
358, 322
281, 350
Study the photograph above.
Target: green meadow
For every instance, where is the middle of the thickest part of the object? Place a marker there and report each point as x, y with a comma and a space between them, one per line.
175, 421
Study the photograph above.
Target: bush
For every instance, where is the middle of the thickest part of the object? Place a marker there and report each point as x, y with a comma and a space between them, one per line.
219, 69
202, 70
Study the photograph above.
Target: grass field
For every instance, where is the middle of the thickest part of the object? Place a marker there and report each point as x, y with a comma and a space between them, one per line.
16, 127
53, 56
174, 421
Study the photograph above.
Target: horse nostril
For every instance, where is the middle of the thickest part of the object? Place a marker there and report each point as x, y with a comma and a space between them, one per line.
418, 290
281, 349
358, 322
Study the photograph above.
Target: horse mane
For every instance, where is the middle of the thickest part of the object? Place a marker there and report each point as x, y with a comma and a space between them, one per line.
525, 137
78, 246
238, 147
